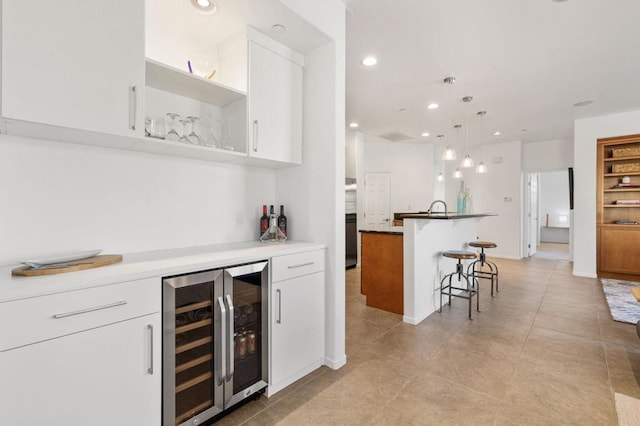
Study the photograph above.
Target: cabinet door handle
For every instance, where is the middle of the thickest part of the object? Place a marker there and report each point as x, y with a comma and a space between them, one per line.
150, 329
279, 320
223, 320
95, 308
300, 265
230, 336
255, 135
133, 103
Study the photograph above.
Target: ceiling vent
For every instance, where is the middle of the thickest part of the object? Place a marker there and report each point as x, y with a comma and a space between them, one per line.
395, 137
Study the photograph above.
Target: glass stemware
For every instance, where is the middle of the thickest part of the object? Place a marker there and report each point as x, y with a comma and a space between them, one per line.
185, 131
193, 136
172, 134
154, 127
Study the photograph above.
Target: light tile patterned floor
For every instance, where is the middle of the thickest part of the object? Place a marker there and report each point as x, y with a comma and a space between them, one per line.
544, 351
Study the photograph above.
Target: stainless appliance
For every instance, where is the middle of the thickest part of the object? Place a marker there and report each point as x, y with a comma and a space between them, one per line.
214, 341
351, 241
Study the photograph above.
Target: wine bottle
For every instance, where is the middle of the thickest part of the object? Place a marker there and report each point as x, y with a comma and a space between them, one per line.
461, 202
282, 221
264, 221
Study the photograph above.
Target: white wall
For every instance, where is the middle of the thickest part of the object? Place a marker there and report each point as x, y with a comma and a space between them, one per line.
553, 192
410, 166
316, 189
351, 155
498, 191
547, 156
62, 197
586, 133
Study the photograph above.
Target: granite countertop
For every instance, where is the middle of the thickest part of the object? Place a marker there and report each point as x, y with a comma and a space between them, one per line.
439, 215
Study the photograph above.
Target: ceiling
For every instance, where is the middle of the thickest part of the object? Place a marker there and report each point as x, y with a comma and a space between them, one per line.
525, 62
174, 24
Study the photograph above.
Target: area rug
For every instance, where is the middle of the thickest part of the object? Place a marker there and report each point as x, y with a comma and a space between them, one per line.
628, 410
622, 304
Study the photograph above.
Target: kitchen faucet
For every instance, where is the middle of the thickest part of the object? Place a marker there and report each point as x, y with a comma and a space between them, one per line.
434, 203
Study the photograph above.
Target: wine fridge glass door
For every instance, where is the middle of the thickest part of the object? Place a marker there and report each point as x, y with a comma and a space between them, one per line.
246, 294
192, 378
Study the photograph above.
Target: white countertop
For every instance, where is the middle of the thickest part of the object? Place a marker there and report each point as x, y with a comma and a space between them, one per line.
135, 266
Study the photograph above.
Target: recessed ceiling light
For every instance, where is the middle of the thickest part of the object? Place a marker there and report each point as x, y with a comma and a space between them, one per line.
207, 7
583, 103
369, 61
278, 29
433, 106
353, 125
496, 133
425, 134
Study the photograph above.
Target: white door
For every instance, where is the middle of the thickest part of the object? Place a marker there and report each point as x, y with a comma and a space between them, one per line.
74, 64
106, 376
376, 201
297, 325
533, 213
275, 106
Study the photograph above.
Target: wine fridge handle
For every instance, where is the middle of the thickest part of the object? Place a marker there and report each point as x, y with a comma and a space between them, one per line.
230, 336
279, 320
255, 135
150, 369
223, 319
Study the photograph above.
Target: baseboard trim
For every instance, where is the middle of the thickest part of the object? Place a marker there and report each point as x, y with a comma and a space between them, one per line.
335, 364
584, 274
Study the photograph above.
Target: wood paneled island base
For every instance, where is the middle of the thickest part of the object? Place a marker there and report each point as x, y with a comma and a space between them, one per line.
381, 270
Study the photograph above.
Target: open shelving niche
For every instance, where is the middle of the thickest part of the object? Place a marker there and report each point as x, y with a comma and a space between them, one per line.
169, 89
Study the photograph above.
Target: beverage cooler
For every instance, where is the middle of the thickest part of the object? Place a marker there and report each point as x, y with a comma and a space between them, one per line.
214, 341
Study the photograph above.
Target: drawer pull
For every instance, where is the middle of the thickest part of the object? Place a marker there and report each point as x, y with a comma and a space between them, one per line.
95, 308
301, 265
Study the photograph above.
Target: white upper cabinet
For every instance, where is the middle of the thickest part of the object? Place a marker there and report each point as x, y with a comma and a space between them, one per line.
74, 64
275, 105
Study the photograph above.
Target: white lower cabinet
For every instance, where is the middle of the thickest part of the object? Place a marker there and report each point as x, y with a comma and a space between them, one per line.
297, 318
106, 373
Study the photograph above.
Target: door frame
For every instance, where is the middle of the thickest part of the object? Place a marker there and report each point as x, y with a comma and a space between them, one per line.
525, 212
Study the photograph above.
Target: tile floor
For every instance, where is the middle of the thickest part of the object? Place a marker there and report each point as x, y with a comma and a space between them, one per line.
544, 351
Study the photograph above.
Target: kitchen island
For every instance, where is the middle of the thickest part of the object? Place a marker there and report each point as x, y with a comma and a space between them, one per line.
425, 237
402, 267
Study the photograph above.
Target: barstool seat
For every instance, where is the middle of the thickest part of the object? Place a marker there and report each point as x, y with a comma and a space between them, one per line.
483, 244
468, 292
475, 268
459, 254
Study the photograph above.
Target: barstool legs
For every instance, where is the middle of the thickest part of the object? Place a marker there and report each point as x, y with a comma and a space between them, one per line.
492, 274
472, 288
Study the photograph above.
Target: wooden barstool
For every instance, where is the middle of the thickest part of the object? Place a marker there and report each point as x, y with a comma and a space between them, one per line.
466, 293
475, 268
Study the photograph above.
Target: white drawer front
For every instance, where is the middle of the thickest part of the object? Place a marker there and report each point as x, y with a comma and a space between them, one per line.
296, 265
40, 318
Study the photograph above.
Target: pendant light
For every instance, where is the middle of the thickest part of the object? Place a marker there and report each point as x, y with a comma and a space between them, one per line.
440, 177
449, 153
481, 168
467, 161
457, 174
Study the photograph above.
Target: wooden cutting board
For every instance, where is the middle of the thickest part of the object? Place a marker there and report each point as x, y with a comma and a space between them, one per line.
636, 292
76, 265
